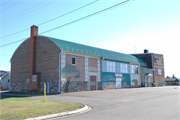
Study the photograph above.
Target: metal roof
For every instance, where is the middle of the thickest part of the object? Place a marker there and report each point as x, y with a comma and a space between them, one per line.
76, 47
146, 67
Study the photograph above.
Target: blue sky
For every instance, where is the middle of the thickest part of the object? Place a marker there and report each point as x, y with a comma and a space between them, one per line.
145, 24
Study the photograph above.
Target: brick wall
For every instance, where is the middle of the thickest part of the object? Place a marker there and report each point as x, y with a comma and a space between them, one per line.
158, 64
46, 62
92, 62
145, 57
20, 67
47, 59
80, 65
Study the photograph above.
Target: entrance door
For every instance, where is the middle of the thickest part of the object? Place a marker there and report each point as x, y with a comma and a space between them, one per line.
118, 83
147, 82
92, 82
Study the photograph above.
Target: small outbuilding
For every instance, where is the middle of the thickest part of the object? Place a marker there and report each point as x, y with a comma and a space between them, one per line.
5, 80
172, 81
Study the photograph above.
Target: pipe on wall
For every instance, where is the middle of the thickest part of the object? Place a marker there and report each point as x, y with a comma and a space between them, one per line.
59, 88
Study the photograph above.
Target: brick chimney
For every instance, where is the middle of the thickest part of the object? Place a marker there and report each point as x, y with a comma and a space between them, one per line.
34, 33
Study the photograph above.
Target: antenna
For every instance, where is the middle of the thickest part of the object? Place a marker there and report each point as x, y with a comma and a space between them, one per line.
134, 49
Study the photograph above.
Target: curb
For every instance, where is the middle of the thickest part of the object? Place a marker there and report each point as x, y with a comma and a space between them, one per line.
59, 114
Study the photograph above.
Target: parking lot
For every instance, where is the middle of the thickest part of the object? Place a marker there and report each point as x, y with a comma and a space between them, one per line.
153, 103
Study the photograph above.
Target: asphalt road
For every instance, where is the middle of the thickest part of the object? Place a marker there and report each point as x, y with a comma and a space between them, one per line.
154, 103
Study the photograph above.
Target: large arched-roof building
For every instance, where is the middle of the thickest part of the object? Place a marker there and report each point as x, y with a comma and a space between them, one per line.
66, 66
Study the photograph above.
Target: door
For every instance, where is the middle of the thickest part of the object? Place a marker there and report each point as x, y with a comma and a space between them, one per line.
147, 82
92, 82
118, 83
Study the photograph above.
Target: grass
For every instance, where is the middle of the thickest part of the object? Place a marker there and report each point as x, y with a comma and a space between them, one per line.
22, 108
30, 93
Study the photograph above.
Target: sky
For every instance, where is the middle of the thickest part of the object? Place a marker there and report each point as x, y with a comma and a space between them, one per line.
128, 28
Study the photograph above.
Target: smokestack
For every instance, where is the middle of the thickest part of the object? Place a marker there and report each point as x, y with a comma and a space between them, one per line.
34, 33
146, 51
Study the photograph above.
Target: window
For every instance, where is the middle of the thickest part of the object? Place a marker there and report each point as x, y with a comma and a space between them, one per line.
73, 60
134, 77
135, 69
159, 71
124, 68
111, 66
34, 77
136, 83
124, 82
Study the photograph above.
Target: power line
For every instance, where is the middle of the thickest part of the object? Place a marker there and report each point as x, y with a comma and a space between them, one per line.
11, 5
24, 10
73, 21
86, 16
15, 33
52, 19
29, 11
13, 42
69, 12
6, 3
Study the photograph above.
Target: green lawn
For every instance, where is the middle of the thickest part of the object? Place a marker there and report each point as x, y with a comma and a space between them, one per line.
22, 108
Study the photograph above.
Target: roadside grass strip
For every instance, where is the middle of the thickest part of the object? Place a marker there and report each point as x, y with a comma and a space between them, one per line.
23, 108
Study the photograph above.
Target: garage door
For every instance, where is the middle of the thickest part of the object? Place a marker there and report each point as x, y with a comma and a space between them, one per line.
92, 82
118, 83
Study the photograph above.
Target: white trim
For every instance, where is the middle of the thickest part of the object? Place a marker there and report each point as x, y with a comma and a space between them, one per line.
86, 68
59, 87
80, 54
63, 63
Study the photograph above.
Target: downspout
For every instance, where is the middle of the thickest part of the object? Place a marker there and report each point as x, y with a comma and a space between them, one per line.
101, 72
144, 77
10, 77
152, 66
59, 89
152, 61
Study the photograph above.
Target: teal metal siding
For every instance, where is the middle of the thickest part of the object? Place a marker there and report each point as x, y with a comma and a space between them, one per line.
108, 79
126, 78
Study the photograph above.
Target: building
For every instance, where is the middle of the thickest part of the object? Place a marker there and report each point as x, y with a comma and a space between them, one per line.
2, 73
5, 80
66, 67
156, 64
172, 81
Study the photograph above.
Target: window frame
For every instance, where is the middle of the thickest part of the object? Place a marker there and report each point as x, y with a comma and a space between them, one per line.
159, 72
34, 78
111, 66
132, 70
124, 68
72, 60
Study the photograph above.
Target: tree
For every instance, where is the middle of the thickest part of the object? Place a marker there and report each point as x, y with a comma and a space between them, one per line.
167, 77
173, 76
70, 71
